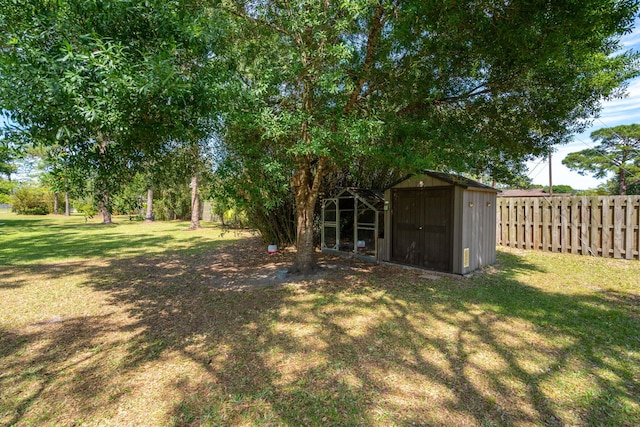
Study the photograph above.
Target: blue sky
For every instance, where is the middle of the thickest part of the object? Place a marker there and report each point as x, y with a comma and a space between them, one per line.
616, 112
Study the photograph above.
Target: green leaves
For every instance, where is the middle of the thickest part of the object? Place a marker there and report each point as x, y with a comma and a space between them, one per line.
511, 78
618, 153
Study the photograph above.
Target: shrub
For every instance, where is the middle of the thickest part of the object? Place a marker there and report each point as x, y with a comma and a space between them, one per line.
172, 205
88, 210
6, 188
30, 201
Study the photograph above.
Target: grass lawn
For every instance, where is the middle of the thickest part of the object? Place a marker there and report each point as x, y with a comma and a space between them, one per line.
149, 324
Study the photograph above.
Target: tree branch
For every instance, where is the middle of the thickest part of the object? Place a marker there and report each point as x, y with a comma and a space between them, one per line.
319, 175
257, 21
372, 43
419, 106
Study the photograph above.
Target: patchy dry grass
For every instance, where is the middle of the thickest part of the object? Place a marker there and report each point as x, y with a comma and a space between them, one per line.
197, 331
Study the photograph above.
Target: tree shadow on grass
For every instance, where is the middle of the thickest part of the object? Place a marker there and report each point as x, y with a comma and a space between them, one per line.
35, 240
362, 345
538, 341
55, 361
75, 243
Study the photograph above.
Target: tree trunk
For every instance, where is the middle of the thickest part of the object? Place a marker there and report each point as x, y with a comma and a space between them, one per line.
55, 203
103, 207
306, 182
149, 216
305, 256
195, 203
103, 165
622, 178
67, 206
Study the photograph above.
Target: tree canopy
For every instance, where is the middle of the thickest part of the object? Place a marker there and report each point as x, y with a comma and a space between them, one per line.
111, 81
414, 84
618, 152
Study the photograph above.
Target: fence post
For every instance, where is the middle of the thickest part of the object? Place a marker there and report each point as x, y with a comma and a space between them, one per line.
574, 222
584, 231
628, 229
618, 218
606, 227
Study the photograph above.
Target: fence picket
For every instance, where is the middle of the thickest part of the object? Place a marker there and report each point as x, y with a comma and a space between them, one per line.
537, 228
564, 224
636, 226
546, 226
526, 207
512, 224
555, 223
596, 226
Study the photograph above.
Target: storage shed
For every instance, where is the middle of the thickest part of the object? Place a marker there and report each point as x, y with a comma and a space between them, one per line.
352, 222
440, 221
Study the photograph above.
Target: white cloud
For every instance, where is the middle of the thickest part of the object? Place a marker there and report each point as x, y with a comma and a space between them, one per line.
632, 40
621, 111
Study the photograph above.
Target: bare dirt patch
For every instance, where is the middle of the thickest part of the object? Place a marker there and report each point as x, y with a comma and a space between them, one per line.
247, 265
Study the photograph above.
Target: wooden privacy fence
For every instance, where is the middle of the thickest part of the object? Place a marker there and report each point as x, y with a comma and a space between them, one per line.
607, 226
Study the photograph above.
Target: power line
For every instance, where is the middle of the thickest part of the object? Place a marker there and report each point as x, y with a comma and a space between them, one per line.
534, 168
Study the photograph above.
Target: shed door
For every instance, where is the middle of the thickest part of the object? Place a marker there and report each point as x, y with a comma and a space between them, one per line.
422, 232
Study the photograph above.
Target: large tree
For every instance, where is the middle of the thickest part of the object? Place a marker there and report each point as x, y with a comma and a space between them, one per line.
415, 83
110, 80
7, 158
617, 152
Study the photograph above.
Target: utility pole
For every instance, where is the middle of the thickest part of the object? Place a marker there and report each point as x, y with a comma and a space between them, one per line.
550, 178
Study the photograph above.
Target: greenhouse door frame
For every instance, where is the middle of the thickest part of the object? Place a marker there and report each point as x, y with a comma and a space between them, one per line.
359, 229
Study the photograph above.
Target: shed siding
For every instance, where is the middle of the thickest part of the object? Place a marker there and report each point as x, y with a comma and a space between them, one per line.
479, 228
